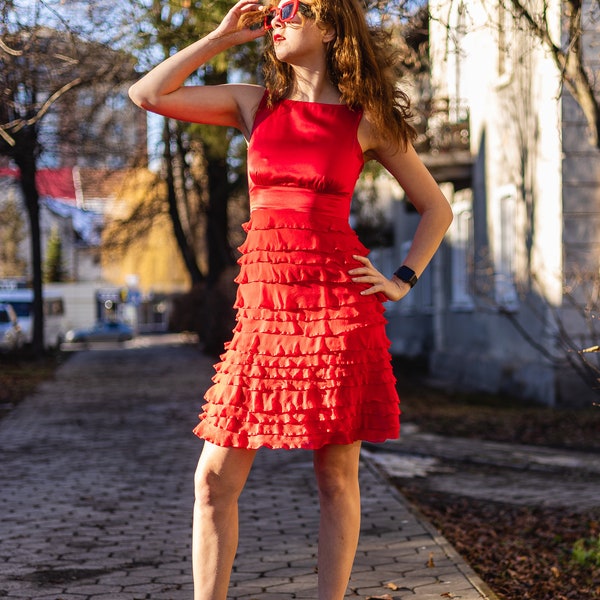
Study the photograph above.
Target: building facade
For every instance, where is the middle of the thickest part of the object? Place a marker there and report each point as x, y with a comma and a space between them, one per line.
511, 298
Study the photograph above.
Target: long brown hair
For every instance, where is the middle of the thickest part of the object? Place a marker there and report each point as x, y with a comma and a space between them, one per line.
362, 63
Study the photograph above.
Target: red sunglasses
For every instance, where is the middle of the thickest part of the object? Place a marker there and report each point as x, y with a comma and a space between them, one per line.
287, 11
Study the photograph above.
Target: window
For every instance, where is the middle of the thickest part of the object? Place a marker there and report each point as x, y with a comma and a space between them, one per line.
505, 248
117, 101
462, 255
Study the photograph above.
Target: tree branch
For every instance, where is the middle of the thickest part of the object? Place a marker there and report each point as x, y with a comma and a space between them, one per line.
9, 50
18, 124
569, 61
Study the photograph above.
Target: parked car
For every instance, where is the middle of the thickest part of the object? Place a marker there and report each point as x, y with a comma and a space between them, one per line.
103, 331
11, 335
21, 299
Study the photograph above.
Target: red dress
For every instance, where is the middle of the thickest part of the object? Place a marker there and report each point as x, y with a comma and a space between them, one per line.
309, 363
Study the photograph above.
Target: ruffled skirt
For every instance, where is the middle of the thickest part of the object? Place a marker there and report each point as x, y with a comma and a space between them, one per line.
309, 362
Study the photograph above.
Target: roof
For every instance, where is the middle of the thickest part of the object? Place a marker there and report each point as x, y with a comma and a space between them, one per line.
55, 183
76, 186
79, 194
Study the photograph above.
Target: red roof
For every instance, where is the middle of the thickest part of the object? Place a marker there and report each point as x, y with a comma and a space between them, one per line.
56, 183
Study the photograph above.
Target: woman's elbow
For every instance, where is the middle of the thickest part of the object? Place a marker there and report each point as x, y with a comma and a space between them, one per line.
144, 97
441, 213
137, 95
449, 215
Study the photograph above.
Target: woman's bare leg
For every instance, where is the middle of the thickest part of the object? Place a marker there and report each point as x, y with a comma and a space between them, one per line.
220, 478
336, 468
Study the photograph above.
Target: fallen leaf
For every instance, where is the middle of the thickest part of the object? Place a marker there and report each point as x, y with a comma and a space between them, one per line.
555, 572
430, 562
392, 586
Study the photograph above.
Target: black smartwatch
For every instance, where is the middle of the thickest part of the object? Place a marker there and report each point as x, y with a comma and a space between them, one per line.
407, 275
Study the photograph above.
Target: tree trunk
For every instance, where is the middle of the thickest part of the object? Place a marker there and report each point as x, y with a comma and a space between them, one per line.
579, 85
25, 159
575, 76
187, 252
220, 255
570, 62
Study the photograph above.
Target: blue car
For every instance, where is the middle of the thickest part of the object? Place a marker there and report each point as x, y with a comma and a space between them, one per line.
103, 331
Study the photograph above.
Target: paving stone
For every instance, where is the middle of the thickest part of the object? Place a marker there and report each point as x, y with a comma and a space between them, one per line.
105, 457
292, 571
61, 596
111, 596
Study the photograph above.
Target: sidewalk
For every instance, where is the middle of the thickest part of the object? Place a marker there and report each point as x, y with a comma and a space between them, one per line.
519, 474
96, 493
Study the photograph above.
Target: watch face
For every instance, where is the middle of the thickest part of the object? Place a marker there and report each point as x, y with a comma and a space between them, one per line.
407, 275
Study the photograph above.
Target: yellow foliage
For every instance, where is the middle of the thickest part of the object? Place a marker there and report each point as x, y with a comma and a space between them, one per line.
139, 240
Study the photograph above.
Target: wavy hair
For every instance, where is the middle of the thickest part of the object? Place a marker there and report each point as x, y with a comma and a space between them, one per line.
361, 62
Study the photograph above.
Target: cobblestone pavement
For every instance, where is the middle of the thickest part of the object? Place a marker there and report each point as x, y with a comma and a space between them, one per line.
96, 496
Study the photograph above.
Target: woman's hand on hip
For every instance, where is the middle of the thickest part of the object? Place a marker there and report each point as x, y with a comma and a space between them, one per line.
393, 289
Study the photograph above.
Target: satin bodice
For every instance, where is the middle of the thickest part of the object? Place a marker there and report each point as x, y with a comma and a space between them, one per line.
304, 156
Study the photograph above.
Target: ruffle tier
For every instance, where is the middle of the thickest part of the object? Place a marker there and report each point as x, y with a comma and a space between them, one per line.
309, 363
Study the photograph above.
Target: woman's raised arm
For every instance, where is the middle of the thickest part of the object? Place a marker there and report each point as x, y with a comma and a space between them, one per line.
162, 90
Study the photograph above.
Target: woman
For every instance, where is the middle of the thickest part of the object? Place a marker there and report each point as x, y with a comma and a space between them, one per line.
308, 365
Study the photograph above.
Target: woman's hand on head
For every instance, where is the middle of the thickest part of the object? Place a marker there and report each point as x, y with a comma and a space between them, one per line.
230, 25
393, 289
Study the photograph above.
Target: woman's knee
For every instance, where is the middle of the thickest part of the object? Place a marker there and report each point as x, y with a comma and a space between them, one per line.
210, 488
220, 476
337, 473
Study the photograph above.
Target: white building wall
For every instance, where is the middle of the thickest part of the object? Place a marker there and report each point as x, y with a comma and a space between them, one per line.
511, 87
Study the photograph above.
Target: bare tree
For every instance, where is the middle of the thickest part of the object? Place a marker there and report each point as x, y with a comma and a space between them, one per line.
565, 45
567, 51
43, 56
200, 164
177, 196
